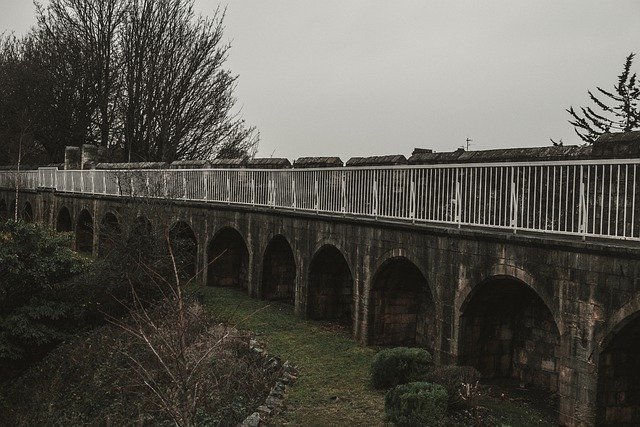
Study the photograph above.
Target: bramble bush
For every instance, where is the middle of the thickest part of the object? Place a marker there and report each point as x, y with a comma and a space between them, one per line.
416, 404
399, 365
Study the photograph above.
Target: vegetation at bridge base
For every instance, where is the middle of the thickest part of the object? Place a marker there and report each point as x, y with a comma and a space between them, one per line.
399, 365
34, 313
132, 347
334, 382
457, 380
416, 404
90, 380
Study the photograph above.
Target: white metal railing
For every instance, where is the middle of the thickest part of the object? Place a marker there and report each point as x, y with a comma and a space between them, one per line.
27, 180
587, 198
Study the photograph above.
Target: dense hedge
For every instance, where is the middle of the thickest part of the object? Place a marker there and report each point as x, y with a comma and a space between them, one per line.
416, 404
399, 365
453, 379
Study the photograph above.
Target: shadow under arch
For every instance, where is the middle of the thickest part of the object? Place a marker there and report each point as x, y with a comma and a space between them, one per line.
228, 259
278, 270
84, 232
402, 307
27, 212
63, 220
184, 245
330, 286
110, 233
618, 381
507, 330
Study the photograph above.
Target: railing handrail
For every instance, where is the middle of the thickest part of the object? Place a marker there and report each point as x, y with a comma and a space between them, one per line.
578, 197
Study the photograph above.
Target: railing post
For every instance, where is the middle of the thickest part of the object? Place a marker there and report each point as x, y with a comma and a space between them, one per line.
206, 184
253, 191
164, 184
93, 181
104, 182
343, 194
514, 204
73, 186
82, 181
293, 194
184, 184
131, 184
147, 185
228, 189
412, 204
317, 194
375, 195
118, 184
458, 202
273, 193
583, 212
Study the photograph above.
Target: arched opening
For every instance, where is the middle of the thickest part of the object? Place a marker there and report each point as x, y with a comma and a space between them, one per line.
63, 221
4, 215
184, 245
227, 260
330, 286
402, 306
279, 271
84, 232
507, 331
110, 233
618, 390
27, 213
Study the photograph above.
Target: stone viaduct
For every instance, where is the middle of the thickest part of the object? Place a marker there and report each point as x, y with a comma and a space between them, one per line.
554, 311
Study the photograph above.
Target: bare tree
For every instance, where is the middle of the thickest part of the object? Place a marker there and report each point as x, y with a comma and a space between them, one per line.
93, 26
178, 97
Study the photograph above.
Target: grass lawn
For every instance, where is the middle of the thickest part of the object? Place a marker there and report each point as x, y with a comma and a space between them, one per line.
332, 386
333, 382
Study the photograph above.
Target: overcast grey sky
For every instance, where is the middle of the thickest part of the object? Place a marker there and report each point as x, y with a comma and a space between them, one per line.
357, 78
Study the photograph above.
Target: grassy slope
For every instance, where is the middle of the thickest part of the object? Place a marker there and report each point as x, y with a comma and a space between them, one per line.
332, 387
333, 384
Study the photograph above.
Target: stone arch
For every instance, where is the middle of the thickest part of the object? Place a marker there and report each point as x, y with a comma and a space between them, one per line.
228, 259
110, 233
506, 330
184, 245
402, 307
465, 293
27, 212
84, 232
618, 381
63, 220
278, 270
330, 286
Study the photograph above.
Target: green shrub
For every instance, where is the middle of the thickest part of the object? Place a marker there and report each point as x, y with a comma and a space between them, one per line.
416, 404
453, 379
399, 365
34, 263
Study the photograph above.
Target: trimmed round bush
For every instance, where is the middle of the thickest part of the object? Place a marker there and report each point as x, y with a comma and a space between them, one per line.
416, 404
453, 379
399, 365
